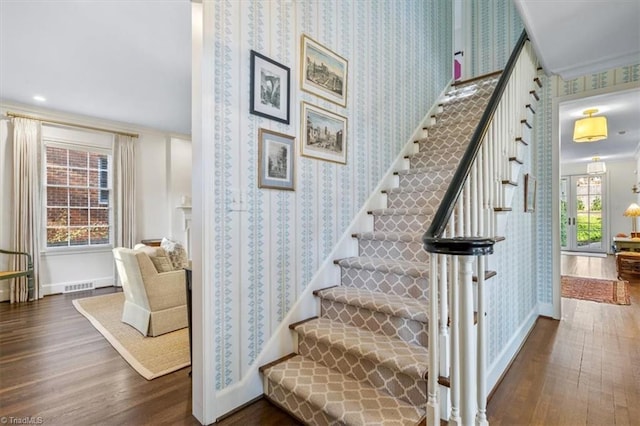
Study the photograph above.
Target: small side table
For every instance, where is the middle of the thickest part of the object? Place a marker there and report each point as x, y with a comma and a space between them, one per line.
188, 289
628, 265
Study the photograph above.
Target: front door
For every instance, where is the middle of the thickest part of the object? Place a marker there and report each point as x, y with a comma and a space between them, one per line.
582, 213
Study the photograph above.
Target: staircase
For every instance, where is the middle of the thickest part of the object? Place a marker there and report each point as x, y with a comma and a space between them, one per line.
365, 360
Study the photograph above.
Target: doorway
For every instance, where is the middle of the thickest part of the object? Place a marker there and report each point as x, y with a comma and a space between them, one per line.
583, 213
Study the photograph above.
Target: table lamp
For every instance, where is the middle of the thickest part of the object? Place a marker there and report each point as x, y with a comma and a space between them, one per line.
633, 211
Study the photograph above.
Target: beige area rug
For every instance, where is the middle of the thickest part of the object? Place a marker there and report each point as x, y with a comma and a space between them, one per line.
597, 290
151, 357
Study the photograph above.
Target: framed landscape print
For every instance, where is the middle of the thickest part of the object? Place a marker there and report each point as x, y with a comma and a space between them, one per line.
270, 89
276, 160
529, 193
324, 134
324, 73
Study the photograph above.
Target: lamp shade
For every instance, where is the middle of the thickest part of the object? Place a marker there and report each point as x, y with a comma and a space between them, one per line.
590, 129
596, 167
633, 210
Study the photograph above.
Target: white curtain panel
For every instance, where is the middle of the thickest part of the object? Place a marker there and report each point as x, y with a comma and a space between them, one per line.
125, 196
27, 206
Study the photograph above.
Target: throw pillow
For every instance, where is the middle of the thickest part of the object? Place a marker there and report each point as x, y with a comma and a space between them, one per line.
158, 257
162, 263
176, 252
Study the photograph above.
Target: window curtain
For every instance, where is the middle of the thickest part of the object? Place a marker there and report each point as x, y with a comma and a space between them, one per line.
125, 191
27, 206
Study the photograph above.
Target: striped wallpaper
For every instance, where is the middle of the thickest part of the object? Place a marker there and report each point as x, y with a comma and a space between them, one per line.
399, 55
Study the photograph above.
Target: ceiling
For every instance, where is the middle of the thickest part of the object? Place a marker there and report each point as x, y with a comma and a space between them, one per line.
130, 61
580, 37
127, 61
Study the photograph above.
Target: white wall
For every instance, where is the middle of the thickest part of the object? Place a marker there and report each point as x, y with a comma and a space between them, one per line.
179, 188
154, 180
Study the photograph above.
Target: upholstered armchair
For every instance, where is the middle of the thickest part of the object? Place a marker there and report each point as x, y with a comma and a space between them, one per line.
155, 302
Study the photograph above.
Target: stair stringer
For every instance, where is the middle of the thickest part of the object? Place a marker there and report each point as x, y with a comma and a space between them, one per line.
282, 341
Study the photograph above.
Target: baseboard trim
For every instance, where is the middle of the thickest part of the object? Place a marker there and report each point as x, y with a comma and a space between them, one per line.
504, 360
546, 310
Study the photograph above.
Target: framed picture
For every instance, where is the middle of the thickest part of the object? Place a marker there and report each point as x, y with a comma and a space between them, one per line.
529, 193
270, 88
276, 160
324, 134
324, 73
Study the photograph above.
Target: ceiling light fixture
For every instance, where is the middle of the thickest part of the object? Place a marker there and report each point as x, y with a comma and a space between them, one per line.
590, 129
39, 98
596, 167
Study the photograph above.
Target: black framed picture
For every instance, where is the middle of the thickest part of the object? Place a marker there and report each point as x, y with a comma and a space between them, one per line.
270, 88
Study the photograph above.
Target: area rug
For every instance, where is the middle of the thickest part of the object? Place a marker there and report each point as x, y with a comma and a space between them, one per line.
151, 357
597, 290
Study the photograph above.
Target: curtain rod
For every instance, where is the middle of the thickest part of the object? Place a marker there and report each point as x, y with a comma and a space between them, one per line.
65, 123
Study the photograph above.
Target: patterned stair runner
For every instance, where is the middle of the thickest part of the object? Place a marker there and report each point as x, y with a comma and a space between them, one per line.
364, 361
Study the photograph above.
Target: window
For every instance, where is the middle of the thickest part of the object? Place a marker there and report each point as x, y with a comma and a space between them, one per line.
78, 196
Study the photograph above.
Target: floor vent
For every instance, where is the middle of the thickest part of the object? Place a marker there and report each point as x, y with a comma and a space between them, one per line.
71, 288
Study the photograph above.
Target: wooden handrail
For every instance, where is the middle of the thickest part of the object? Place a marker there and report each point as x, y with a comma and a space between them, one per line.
470, 246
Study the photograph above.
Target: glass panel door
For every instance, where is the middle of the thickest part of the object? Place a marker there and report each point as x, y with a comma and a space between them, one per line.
581, 213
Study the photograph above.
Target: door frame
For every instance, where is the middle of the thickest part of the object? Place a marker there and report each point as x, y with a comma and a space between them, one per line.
556, 176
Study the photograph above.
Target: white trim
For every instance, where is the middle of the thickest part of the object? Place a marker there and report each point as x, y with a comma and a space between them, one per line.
281, 342
510, 351
545, 310
204, 405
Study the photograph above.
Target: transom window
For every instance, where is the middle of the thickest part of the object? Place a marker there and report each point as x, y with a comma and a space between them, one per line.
78, 197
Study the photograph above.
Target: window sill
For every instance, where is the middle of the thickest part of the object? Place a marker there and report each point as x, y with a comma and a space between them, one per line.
67, 251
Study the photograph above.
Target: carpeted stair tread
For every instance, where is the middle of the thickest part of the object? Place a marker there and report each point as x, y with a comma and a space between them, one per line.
398, 306
404, 237
438, 168
344, 399
462, 129
393, 353
428, 188
402, 212
400, 267
435, 150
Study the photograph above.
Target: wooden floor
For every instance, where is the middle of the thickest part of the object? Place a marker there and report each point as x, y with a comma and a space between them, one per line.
584, 369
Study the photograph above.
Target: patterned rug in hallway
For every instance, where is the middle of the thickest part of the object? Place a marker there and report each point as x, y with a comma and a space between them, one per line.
596, 290
151, 357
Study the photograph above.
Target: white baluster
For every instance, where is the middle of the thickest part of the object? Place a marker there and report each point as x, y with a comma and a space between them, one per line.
433, 404
481, 417
467, 371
